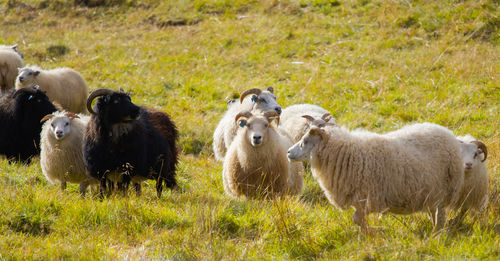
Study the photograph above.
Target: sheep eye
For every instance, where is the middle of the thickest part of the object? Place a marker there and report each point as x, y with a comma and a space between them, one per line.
115, 102
67, 123
52, 124
262, 100
266, 125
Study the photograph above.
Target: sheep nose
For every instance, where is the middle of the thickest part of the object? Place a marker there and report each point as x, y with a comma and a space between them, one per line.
59, 132
278, 110
21, 78
468, 165
257, 138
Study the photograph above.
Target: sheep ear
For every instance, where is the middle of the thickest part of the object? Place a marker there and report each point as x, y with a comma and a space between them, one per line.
46, 118
37, 73
122, 90
14, 47
72, 115
107, 98
254, 98
19, 69
242, 122
326, 117
308, 118
270, 89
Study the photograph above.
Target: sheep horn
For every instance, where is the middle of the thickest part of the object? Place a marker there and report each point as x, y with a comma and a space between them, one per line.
47, 117
271, 115
250, 91
95, 94
308, 118
30, 89
270, 89
482, 147
71, 115
326, 117
245, 114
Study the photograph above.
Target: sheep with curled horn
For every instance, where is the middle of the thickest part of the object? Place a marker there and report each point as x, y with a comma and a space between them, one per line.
128, 143
20, 115
255, 100
256, 164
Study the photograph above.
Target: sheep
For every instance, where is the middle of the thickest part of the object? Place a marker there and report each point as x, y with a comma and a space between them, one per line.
256, 164
61, 156
252, 99
474, 193
416, 168
63, 85
20, 115
126, 143
291, 119
10, 60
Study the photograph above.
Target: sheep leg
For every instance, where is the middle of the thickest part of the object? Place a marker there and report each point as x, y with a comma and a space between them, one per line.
103, 187
359, 219
159, 187
83, 188
439, 219
111, 185
459, 218
137, 187
63, 185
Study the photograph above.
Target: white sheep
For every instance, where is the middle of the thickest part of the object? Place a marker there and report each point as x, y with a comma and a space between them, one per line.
61, 154
256, 164
63, 85
291, 119
474, 193
416, 168
250, 100
10, 60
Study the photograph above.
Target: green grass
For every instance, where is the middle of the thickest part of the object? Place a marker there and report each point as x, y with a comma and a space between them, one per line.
375, 64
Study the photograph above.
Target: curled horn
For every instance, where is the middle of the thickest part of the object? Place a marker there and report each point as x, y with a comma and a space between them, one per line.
30, 89
47, 117
250, 91
270, 89
326, 117
71, 115
245, 114
271, 115
95, 94
482, 147
308, 118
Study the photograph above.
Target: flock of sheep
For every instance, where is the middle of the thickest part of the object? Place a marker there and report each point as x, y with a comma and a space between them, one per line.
418, 168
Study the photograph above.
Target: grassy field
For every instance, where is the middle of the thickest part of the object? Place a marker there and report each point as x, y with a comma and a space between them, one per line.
376, 65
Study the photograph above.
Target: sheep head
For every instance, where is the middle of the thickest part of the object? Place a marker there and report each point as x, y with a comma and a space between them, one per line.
325, 120
112, 106
262, 100
301, 151
27, 76
256, 128
471, 153
33, 103
60, 124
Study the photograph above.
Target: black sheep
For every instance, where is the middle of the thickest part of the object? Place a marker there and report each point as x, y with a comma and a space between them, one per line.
127, 143
20, 115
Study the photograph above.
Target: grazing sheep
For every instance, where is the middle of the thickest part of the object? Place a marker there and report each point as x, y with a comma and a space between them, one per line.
256, 164
474, 194
126, 143
250, 100
63, 85
20, 115
416, 168
10, 60
61, 155
291, 119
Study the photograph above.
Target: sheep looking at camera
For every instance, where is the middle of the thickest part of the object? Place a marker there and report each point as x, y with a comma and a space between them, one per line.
63, 85
416, 168
250, 100
474, 193
10, 60
256, 164
61, 155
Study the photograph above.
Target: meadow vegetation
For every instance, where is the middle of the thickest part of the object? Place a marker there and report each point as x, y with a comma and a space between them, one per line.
374, 64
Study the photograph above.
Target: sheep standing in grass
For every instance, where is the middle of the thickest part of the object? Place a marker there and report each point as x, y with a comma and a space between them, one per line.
61, 154
256, 164
10, 60
63, 85
474, 193
416, 168
291, 119
250, 100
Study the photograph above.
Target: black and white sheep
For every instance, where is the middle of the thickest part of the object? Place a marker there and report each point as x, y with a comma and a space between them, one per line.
416, 168
20, 115
10, 60
255, 100
63, 85
256, 164
126, 143
61, 156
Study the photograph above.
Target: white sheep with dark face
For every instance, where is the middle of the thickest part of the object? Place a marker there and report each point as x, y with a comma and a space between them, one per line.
474, 194
10, 60
64, 86
61, 154
255, 100
256, 164
416, 168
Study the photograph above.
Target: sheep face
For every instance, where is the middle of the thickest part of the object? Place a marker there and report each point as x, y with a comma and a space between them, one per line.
470, 155
301, 151
117, 108
27, 76
256, 128
33, 102
262, 100
60, 127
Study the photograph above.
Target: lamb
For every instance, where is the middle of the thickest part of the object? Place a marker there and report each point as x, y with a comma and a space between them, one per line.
256, 164
252, 99
20, 115
63, 85
126, 143
416, 168
10, 60
61, 155
291, 119
474, 193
